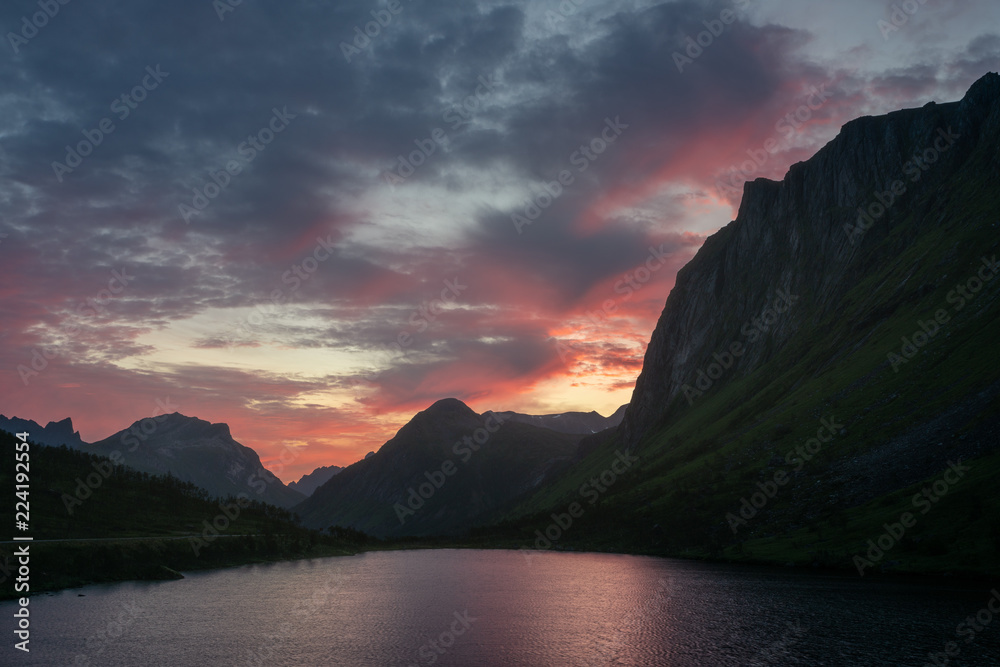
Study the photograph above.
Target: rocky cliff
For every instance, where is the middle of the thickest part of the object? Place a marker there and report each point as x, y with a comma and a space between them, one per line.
833, 221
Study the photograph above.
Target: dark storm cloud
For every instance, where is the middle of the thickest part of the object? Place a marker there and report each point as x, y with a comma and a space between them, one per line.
350, 114
208, 84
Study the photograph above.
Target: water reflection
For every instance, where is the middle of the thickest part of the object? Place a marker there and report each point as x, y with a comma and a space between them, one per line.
486, 608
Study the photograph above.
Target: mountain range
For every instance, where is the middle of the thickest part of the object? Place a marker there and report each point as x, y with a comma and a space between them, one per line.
191, 449
53, 433
447, 469
207, 455
312, 481
575, 423
824, 362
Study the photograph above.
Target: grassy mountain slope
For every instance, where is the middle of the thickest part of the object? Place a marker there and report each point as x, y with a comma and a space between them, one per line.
898, 423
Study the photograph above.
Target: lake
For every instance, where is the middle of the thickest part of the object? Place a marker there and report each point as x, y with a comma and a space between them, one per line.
484, 608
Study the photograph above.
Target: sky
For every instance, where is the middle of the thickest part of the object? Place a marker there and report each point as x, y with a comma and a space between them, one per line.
311, 220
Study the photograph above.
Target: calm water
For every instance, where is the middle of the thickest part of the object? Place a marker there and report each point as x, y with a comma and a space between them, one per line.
484, 608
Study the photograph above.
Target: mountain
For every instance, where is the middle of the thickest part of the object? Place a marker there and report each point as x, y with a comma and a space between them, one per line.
822, 363
445, 470
91, 525
54, 433
196, 451
312, 481
577, 423
805, 237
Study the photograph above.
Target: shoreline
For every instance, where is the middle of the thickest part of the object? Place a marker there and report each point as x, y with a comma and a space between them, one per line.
157, 571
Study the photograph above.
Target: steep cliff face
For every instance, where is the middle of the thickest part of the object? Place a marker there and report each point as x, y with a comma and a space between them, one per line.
807, 237
817, 366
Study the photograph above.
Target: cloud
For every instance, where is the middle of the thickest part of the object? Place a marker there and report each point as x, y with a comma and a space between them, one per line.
279, 305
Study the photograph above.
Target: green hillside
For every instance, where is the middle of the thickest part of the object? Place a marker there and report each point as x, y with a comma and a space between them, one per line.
902, 414
115, 523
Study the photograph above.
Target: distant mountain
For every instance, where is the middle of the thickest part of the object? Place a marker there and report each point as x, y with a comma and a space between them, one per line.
312, 481
576, 423
196, 451
53, 433
444, 471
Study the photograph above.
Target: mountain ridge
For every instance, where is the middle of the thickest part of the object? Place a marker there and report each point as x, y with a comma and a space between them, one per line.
445, 470
860, 291
309, 482
867, 156
196, 451
53, 433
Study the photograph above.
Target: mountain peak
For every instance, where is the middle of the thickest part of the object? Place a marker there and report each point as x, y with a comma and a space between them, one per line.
986, 88
191, 425
802, 236
199, 452
449, 405
62, 429
54, 433
62, 424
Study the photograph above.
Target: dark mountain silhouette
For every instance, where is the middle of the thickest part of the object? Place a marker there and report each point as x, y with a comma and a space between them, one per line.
821, 360
577, 423
53, 433
447, 469
196, 451
312, 481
